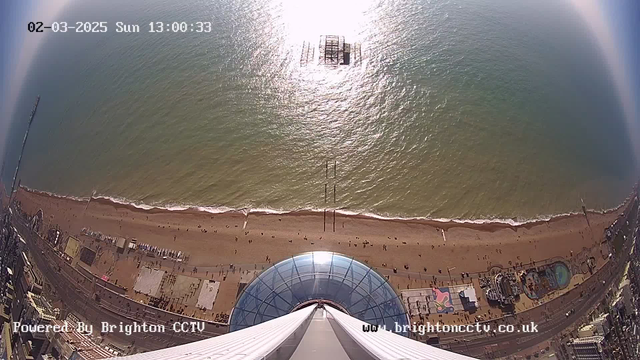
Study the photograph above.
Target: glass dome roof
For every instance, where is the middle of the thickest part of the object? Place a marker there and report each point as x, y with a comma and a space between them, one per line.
319, 275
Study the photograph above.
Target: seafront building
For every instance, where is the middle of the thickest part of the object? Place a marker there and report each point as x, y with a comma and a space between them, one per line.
74, 345
589, 348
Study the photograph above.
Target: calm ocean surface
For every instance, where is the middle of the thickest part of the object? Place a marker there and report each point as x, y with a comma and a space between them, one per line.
461, 109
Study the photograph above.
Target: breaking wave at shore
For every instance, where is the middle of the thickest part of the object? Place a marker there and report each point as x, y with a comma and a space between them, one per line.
118, 201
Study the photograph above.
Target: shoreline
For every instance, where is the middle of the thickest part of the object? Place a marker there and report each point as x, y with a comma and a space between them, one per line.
442, 223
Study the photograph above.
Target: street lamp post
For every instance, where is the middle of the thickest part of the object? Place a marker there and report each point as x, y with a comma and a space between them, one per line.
449, 271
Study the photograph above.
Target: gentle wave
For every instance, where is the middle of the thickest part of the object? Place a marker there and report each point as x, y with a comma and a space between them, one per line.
345, 212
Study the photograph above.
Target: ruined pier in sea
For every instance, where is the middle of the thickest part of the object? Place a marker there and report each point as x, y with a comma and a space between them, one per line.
332, 51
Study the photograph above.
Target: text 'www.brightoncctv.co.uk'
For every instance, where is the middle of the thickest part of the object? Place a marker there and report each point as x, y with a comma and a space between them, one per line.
423, 329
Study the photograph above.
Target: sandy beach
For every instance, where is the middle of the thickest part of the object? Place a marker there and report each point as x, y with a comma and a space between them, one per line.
212, 239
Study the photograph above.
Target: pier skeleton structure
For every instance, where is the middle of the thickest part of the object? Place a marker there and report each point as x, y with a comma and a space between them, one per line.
332, 51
